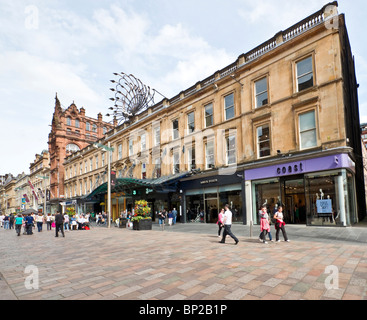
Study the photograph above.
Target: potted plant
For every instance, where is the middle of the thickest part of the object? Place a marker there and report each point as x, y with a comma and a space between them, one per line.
141, 218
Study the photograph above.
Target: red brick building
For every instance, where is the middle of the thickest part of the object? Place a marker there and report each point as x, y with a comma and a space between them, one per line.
71, 131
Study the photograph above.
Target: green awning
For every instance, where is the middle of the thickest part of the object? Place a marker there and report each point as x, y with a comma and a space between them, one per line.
127, 185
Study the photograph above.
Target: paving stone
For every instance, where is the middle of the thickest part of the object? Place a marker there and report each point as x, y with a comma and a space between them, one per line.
194, 267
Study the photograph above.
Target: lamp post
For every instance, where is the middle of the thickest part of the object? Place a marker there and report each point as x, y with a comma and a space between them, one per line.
109, 152
45, 193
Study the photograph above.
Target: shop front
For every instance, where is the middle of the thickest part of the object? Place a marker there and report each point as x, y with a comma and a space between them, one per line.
161, 193
317, 191
204, 197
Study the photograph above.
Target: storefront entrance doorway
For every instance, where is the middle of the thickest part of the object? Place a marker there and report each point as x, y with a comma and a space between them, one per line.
211, 209
295, 204
288, 192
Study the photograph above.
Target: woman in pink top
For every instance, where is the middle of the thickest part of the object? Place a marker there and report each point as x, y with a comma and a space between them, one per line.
220, 222
264, 224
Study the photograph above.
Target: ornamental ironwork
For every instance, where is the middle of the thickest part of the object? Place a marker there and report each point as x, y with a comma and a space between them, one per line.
131, 97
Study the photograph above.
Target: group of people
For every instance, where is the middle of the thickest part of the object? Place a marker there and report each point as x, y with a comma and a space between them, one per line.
225, 222
265, 221
163, 215
58, 221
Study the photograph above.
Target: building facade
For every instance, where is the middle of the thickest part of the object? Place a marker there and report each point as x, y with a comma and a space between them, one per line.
39, 182
8, 195
71, 131
279, 126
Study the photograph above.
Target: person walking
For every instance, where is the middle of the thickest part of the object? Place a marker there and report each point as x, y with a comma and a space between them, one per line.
170, 218
49, 222
220, 222
280, 224
174, 212
29, 224
2, 216
6, 222
59, 224
264, 224
66, 222
18, 224
162, 218
227, 221
39, 220
11, 221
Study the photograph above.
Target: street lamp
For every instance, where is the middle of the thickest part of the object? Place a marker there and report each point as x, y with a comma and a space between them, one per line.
109, 152
45, 193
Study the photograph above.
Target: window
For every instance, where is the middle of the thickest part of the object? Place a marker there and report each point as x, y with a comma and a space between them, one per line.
91, 164
68, 121
176, 162
229, 106
209, 154
75, 173
77, 123
103, 159
87, 126
191, 122
261, 92
191, 158
85, 166
157, 169
94, 128
131, 147
119, 151
157, 136
231, 150
143, 142
143, 171
307, 128
81, 187
175, 129
81, 168
209, 121
304, 74
104, 130
263, 141
97, 162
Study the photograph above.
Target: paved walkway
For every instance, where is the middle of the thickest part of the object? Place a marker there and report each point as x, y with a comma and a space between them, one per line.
184, 262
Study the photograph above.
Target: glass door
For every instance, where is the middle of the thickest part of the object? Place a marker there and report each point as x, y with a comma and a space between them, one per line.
211, 208
295, 201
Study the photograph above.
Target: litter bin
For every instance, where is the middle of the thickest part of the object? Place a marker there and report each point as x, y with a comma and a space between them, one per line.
122, 223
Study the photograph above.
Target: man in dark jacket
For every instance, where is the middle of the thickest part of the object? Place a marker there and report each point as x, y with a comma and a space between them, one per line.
59, 222
29, 224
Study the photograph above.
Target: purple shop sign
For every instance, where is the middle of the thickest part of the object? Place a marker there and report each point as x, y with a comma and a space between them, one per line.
301, 167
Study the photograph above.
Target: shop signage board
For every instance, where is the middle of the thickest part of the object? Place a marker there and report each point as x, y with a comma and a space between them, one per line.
300, 167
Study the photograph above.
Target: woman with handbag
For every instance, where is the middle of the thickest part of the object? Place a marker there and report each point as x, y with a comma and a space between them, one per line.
220, 222
280, 224
264, 224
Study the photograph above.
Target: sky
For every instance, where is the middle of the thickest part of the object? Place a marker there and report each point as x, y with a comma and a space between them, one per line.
72, 48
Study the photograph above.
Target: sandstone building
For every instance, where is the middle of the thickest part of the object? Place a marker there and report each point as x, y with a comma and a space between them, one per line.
71, 131
279, 126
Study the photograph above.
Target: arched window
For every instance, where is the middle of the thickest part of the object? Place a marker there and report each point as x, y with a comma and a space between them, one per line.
68, 121
72, 148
